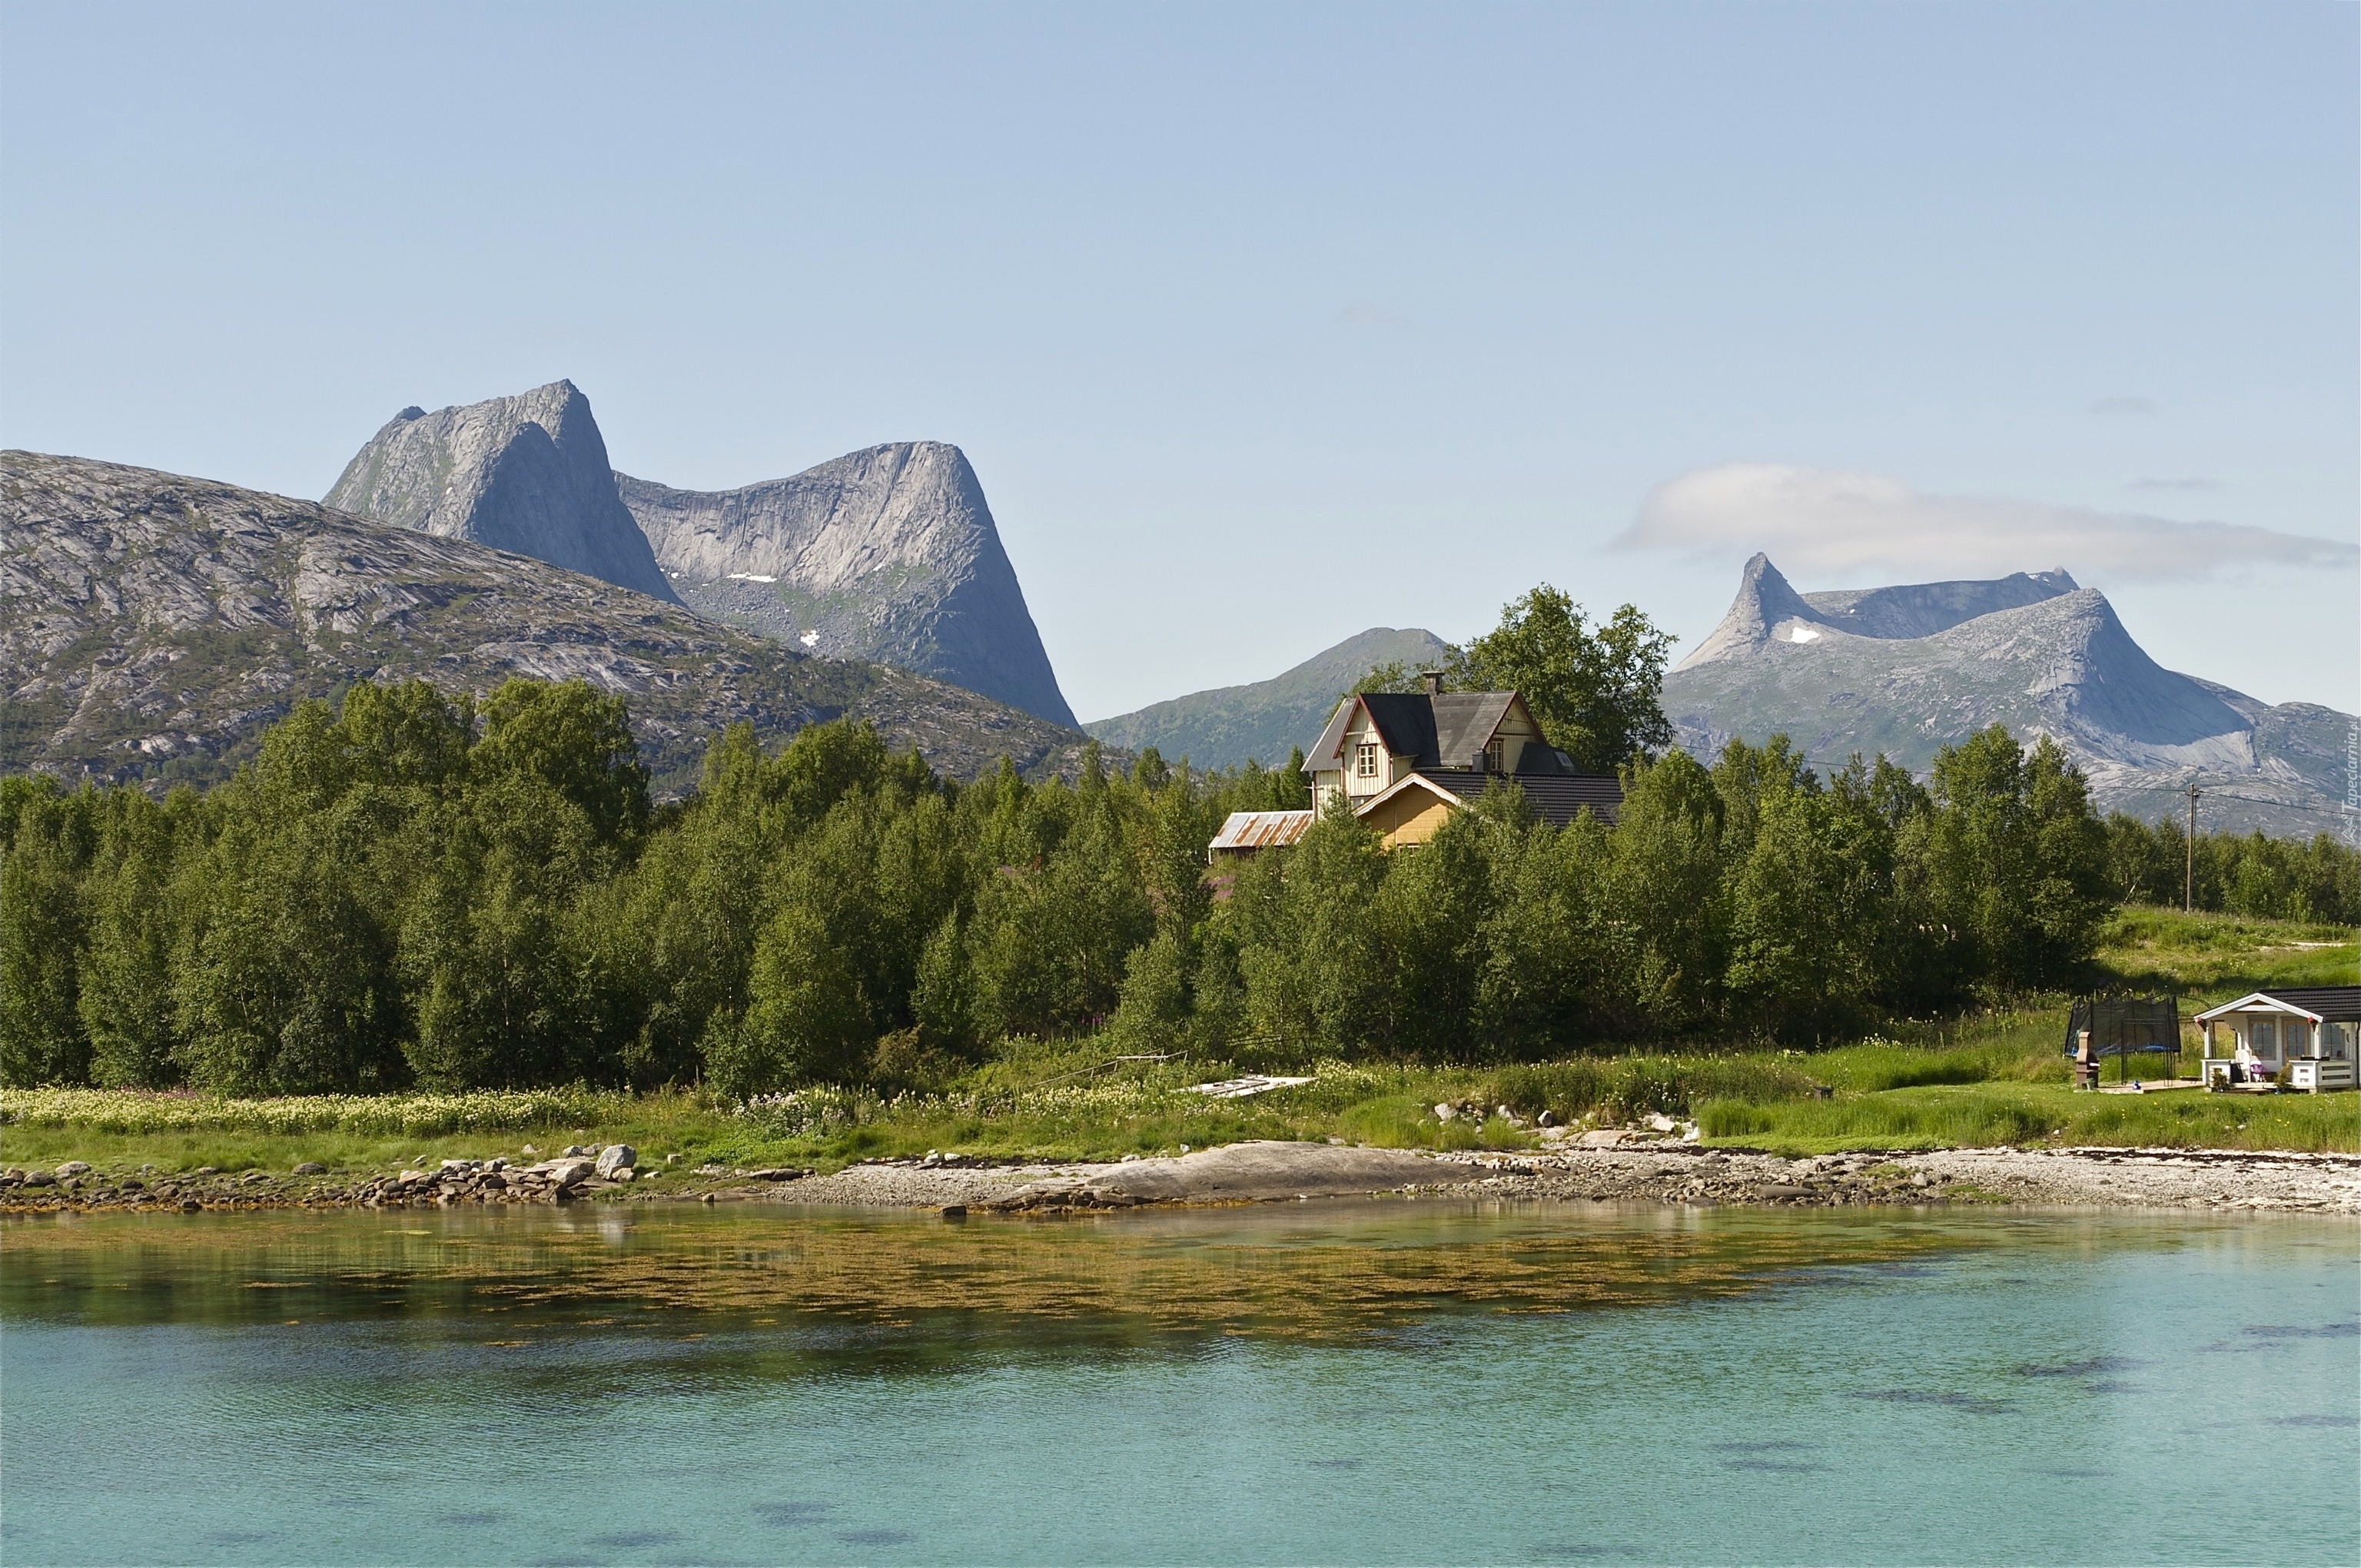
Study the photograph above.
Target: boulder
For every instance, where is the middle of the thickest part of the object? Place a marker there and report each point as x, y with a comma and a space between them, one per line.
565, 1173
616, 1157
1255, 1172
311, 1168
72, 1167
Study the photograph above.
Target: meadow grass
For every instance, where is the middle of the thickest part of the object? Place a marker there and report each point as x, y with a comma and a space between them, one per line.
2043, 1116
1991, 1076
2212, 959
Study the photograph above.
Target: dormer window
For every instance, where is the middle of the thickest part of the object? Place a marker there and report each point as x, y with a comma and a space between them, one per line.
1494, 755
1365, 759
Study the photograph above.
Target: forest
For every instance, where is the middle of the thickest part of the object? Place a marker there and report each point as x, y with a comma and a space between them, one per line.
414, 890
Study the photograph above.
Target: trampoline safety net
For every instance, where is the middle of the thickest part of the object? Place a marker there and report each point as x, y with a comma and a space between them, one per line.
2126, 1025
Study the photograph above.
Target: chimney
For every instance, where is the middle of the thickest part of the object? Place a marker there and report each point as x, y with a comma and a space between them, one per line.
1480, 761
1433, 679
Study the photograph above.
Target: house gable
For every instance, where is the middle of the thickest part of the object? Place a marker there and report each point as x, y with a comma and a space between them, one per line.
1376, 742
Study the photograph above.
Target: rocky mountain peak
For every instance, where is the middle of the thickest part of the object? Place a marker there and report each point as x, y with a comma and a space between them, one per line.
1764, 600
527, 473
1922, 610
152, 624
1767, 609
887, 554
1907, 669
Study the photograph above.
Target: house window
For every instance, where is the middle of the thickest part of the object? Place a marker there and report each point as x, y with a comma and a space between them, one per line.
1495, 754
2263, 1035
2295, 1037
1365, 759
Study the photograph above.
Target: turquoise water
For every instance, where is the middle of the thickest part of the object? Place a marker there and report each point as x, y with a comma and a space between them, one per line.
1350, 1383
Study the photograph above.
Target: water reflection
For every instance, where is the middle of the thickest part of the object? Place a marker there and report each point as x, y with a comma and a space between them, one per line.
1319, 1274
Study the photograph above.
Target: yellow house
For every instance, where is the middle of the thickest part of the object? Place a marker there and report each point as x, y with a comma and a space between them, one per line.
1406, 761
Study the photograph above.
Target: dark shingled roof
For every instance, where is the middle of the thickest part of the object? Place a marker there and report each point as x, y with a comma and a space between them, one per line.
2332, 1003
1439, 732
1556, 798
1405, 722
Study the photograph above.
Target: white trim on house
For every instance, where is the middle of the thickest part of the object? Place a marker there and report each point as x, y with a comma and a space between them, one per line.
2256, 1002
1363, 807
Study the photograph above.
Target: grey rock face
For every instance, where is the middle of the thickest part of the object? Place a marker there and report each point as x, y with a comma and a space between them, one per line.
527, 474
1848, 672
1765, 602
888, 553
615, 1157
151, 625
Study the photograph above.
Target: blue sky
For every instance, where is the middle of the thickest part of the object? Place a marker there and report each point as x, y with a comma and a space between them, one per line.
1265, 324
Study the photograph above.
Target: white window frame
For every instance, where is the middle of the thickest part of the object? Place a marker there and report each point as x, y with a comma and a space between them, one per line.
1364, 759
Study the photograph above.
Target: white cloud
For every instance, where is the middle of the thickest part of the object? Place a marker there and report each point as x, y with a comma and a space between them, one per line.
1824, 524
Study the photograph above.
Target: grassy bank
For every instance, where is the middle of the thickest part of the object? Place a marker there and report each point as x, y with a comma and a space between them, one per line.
1992, 1077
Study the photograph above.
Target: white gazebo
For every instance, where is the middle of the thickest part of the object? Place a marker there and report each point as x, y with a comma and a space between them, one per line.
2293, 1037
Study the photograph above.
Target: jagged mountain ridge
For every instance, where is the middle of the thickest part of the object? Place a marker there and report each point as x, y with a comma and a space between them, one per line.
151, 625
527, 474
888, 553
1847, 671
1266, 720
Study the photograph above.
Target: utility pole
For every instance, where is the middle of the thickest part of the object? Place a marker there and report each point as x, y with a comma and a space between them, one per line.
2189, 873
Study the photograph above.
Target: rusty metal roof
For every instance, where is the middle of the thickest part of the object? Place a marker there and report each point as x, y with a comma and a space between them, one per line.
1262, 829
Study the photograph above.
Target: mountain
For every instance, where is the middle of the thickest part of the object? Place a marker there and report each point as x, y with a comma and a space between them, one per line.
1223, 728
1907, 670
887, 554
527, 474
151, 624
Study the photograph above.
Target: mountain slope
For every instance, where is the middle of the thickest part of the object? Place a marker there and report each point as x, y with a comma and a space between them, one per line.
887, 554
1266, 720
1850, 672
151, 624
527, 474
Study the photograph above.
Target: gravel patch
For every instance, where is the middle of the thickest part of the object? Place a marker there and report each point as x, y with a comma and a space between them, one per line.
1668, 1172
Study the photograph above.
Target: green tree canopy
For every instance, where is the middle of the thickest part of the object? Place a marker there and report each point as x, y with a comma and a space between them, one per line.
1595, 689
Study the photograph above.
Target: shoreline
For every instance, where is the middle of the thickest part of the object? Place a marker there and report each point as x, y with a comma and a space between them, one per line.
1670, 1174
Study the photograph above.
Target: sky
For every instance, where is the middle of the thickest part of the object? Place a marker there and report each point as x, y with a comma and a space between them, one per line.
1265, 324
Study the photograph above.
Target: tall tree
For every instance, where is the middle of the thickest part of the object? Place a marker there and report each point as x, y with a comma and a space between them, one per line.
1596, 690
50, 837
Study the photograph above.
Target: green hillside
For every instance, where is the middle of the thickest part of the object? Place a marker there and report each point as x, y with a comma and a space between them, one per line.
1224, 727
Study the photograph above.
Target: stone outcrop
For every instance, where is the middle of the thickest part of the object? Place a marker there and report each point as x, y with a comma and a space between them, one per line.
888, 553
527, 474
151, 625
1907, 670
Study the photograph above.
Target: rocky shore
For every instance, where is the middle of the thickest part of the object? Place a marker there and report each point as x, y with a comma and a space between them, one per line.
1670, 1172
